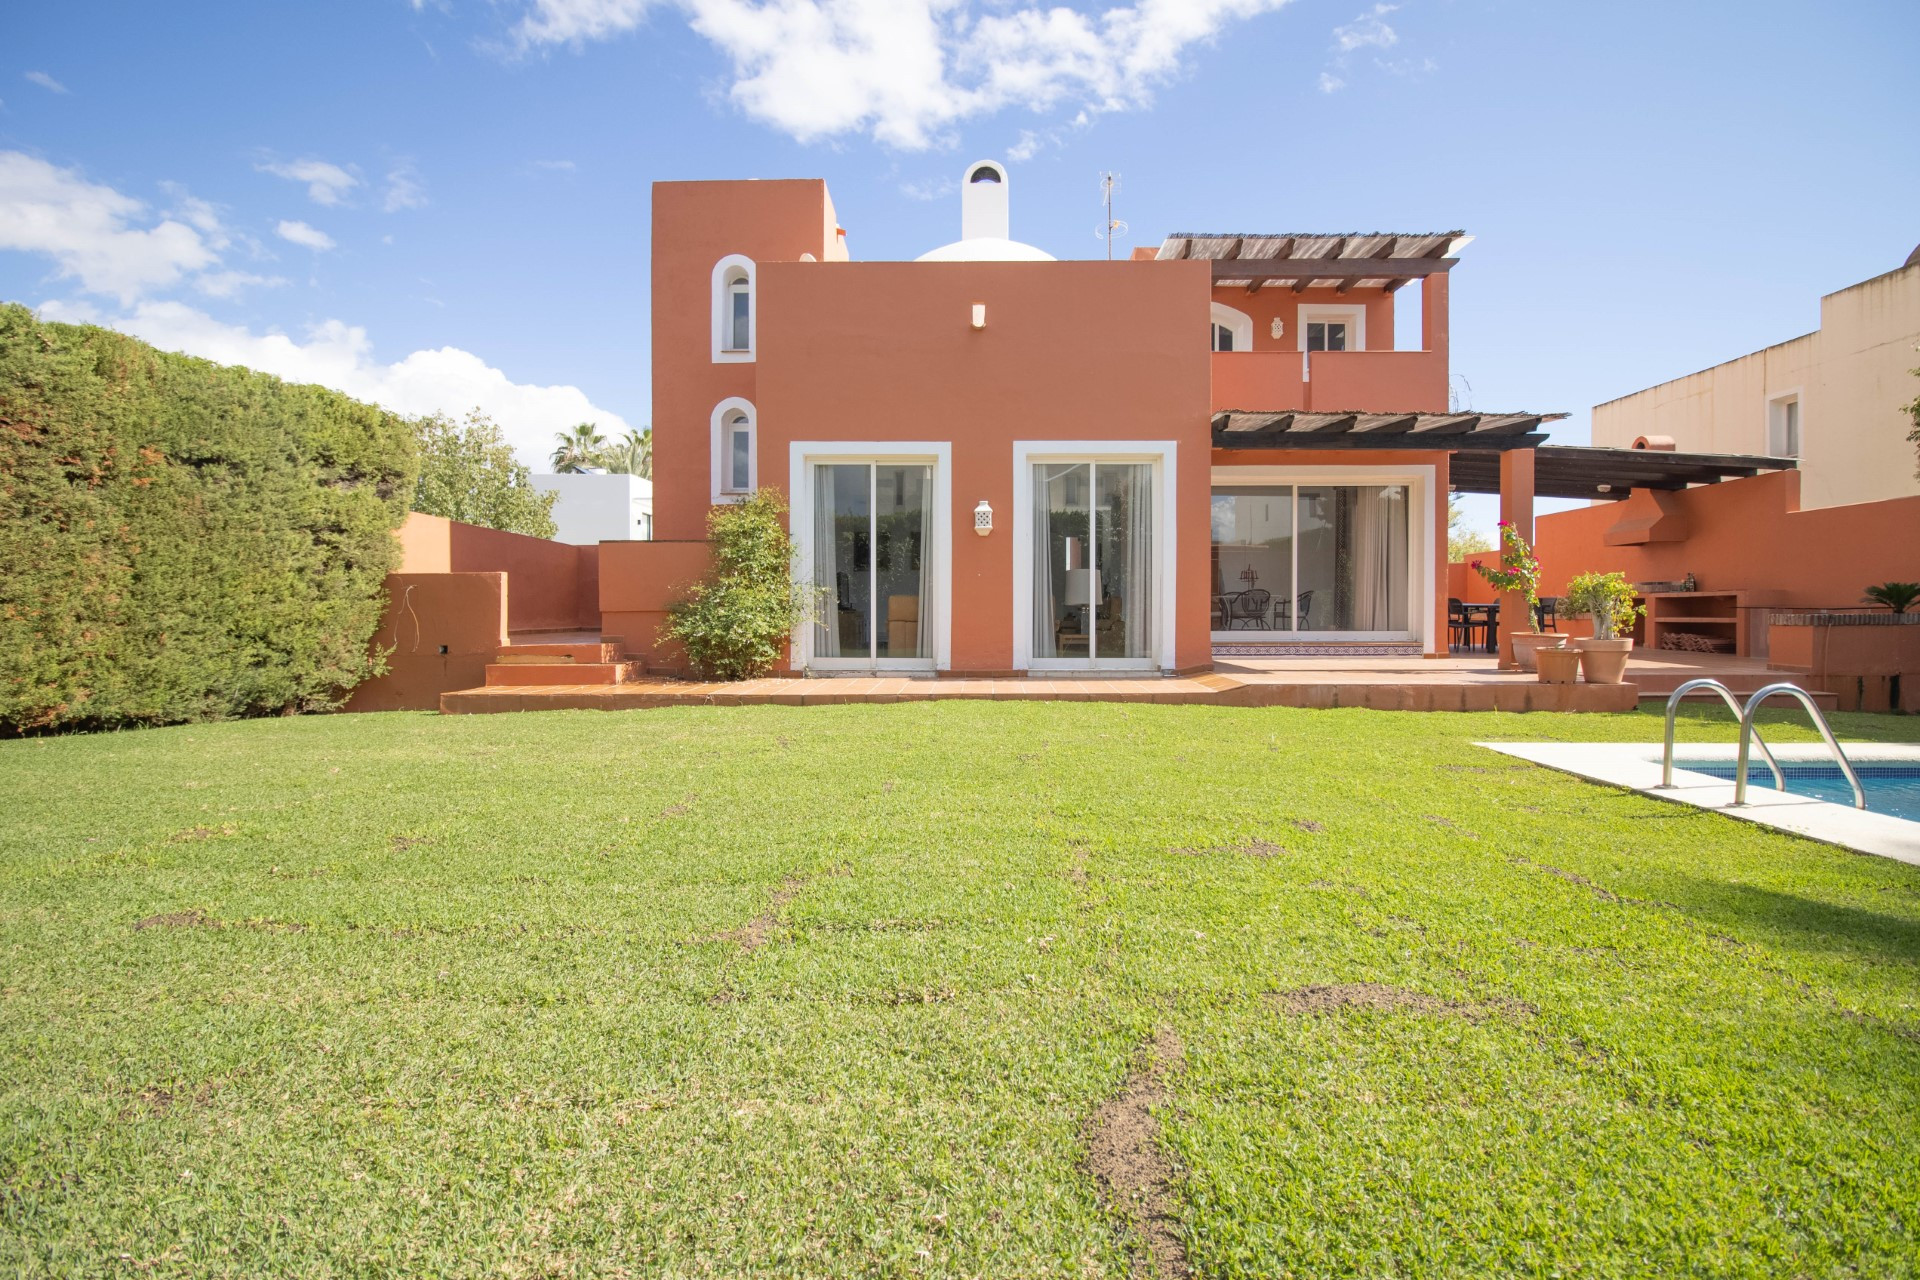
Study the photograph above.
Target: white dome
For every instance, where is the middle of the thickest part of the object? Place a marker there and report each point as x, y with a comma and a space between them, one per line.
986, 249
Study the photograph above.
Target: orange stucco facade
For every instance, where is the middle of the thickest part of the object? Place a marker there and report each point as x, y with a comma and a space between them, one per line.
989, 361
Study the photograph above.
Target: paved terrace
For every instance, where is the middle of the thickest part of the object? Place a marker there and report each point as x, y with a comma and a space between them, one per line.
1459, 683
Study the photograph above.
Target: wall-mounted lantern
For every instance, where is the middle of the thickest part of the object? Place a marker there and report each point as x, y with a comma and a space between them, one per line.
983, 518
979, 315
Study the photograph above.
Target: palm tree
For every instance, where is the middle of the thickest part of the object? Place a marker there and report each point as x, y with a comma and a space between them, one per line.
1897, 596
631, 454
578, 449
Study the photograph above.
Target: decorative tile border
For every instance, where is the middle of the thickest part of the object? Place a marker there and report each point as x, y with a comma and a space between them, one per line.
1284, 650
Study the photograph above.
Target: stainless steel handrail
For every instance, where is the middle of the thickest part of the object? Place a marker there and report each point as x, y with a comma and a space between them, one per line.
1747, 731
1726, 696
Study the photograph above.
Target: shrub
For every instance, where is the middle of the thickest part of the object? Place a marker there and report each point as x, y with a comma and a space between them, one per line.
468, 473
1519, 570
734, 623
1897, 596
181, 540
1606, 596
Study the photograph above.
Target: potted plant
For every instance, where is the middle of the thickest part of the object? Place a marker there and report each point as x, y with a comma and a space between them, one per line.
1519, 571
1608, 599
1558, 666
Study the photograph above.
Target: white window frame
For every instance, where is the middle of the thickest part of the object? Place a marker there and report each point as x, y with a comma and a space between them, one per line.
1777, 423
730, 270
937, 562
1238, 323
1354, 315
718, 438
1164, 455
1420, 567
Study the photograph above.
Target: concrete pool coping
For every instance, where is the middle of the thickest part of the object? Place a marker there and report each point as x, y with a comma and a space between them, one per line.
1636, 766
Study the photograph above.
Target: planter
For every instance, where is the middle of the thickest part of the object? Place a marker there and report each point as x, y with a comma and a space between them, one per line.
1604, 661
1558, 666
1527, 643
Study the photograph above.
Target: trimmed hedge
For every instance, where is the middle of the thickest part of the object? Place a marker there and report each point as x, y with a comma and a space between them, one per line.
181, 540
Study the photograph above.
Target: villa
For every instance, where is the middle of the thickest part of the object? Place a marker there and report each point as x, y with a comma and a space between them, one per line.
1001, 465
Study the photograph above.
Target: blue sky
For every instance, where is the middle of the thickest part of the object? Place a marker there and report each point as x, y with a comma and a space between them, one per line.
444, 203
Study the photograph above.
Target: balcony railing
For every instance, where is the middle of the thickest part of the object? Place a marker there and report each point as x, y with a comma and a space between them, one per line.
1330, 381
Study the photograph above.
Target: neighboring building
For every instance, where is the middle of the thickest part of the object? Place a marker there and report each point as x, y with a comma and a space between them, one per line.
1831, 398
997, 462
595, 506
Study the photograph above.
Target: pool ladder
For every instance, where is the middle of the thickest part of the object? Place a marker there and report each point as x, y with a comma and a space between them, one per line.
1750, 735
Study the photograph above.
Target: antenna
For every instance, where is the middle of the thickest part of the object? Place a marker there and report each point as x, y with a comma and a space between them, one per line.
1109, 183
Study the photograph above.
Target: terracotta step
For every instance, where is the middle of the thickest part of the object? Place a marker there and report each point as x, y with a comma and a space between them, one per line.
604, 651
511, 674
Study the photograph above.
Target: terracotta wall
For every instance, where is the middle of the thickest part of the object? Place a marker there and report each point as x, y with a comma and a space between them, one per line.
441, 629
1747, 535
1874, 668
1090, 351
695, 224
552, 586
639, 580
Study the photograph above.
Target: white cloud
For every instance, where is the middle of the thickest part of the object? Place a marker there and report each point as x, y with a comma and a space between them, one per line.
907, 71
1330, 83
443, 380
929, 189
1368, 30
301, 234
327, 184
46, 82
555, 166
228, 284
404, 189
90, 231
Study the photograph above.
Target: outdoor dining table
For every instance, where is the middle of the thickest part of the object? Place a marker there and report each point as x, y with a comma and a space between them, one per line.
1492, 612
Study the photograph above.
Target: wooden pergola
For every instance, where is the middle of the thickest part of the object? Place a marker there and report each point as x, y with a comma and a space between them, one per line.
1378, 259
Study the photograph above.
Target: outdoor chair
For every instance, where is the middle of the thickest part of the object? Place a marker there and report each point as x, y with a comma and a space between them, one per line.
1462, 623
1303, 606
1549, 607
1249, 610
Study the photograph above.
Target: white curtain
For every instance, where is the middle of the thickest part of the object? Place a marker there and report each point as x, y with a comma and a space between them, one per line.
921, 634
1137, 502
1379, 541
826, 631
1045, 612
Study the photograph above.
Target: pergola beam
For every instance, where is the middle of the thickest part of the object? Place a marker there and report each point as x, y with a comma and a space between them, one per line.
1329, 268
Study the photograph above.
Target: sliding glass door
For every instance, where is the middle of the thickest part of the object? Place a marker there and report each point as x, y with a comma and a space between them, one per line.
1094, 547
1326, 561
871, 541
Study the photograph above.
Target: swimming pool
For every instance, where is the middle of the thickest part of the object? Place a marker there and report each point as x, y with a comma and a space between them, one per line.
1892, 789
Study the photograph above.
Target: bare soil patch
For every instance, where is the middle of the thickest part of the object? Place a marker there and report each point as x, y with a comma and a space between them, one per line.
1252, 848
1333, 997
1309, 825
178, 920
1124, 1157
752, 935
194, 834
403, 843
680, 810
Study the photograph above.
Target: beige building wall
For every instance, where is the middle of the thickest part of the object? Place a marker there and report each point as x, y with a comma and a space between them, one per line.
1851, 376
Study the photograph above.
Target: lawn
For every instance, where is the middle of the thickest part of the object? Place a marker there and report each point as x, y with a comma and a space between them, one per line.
942, 989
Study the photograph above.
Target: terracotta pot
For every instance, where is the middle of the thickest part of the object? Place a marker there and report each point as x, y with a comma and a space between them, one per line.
1527, 643
1604, 661
1558, 666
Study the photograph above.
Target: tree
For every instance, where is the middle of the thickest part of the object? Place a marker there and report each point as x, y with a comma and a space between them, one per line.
578, 448
631, 454
468, 473
1462, 541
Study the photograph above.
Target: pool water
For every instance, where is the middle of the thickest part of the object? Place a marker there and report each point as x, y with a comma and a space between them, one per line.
1891, 788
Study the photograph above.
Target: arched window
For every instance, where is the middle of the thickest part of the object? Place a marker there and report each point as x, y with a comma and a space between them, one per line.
1232, 330
736, 456
734, 319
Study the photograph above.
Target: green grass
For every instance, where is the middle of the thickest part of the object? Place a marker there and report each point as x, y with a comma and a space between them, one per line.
466, 996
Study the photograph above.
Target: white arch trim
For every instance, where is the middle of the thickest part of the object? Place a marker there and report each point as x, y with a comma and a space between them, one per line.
734, 267
1238, 323
718, 448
